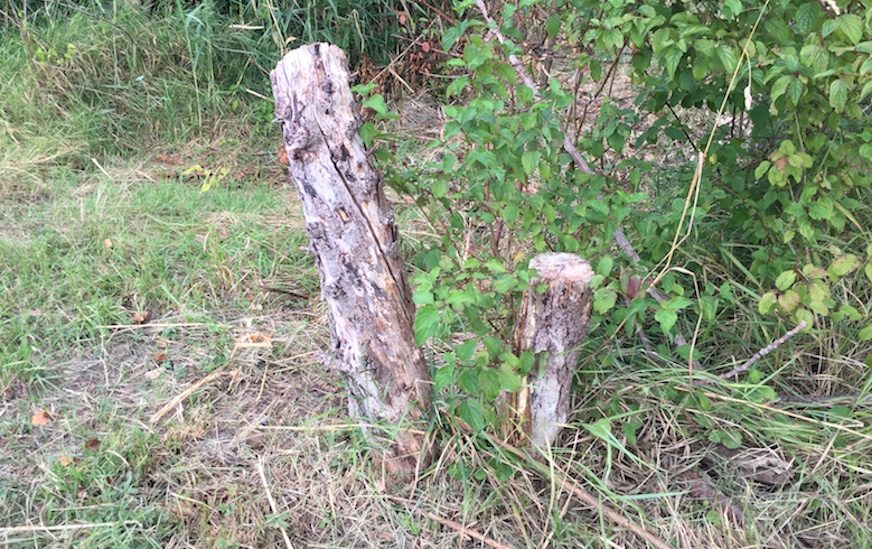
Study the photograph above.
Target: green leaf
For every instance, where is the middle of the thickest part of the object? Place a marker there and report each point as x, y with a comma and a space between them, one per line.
727, 56
470, 411
444, 377
851, 313
601, 429
671, 59
367, 133
552, 25
427, 322
806, 15
761, 169
785, 280
767, 303
530, 159
820, 209
376, 103
505, 284
866, 333
731, 439
838, 95
815, 56
842, 265
458, 298
667, 319
489, 381
867, 89
796, 91
465, 350
494, 346
604, 299
852, 27
678, 302
604, 267
439, 188
457, 86
509, 380
779, 87
630, 429
468, 381
866, 149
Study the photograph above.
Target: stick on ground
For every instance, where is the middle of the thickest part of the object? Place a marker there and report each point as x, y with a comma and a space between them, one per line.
468, 532
756, 356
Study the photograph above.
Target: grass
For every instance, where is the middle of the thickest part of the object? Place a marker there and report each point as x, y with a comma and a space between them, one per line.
88, 246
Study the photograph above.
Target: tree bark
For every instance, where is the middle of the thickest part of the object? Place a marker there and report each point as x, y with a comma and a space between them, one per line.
355, 243
552, 325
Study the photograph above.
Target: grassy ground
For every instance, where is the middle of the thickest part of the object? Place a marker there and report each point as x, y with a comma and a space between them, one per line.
126, 285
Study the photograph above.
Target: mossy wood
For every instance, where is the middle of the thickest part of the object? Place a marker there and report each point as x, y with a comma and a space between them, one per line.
354, 240
552, 325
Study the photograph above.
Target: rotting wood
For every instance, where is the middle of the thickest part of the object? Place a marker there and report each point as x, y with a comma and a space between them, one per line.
355, 243
552, 325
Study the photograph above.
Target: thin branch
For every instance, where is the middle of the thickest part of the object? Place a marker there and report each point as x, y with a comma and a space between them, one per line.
233, 374
757, 356
468, 532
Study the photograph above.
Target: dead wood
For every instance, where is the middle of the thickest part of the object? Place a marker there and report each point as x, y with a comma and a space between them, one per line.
355, 243
552, 325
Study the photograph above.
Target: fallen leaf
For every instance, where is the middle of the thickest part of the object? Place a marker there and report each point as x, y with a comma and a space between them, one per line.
162, 343
153, 374
107, 243
402, 19
167, 159
425, 46
65, 460
283, 156
159, 357
139, 317
92, 444
256, 339
222, 232
41, 418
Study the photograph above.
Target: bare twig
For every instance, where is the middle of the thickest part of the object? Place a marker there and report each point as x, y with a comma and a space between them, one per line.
468, 532
234, 374
272, 502
757, 356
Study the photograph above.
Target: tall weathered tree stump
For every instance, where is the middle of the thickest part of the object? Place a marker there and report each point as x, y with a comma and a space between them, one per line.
355, 243
552, 325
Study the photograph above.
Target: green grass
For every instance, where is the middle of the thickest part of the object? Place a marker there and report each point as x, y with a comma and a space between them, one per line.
96, 252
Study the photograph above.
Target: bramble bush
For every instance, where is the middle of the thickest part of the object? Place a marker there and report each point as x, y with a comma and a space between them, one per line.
781, 197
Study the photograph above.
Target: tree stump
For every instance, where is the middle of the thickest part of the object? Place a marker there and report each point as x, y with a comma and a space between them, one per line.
552, 325
355, 243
